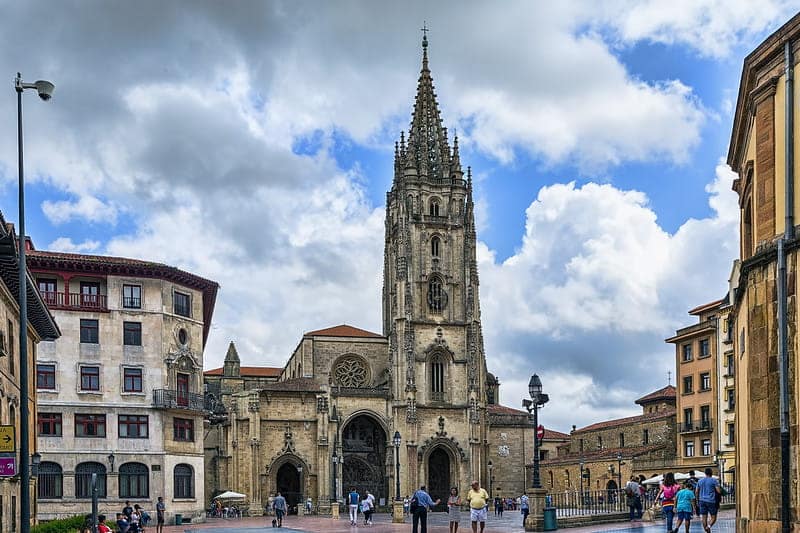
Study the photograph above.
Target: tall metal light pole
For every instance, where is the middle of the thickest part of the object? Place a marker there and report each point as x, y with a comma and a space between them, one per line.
335, 461
45, 90
537, 400
491, 466
619, 470
396, 441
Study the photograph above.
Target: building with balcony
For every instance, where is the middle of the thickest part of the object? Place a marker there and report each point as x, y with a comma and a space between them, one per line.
697, 376
601, 455
120, 394
41, 326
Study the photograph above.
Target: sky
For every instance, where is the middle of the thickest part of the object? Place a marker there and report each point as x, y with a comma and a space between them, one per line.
252, 143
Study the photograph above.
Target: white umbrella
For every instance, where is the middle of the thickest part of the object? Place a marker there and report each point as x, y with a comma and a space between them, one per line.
230, 495
659, 478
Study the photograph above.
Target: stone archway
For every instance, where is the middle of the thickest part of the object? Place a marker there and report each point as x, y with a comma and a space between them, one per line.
439, 475
287, 482
364, 457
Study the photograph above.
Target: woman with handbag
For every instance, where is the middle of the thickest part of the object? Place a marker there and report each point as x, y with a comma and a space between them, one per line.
669, 488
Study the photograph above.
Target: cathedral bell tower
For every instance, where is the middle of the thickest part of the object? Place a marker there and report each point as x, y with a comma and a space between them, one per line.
431, 309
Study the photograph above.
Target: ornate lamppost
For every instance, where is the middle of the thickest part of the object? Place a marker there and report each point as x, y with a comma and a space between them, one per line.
619, 470
491, 478
538, 399
396, 441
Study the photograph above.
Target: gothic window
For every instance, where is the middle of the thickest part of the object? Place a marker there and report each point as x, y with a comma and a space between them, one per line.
437, 297
350, 372
435, 246
434, 208
83, 480
437, 378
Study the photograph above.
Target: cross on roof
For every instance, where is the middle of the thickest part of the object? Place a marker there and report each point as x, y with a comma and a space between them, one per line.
424, 29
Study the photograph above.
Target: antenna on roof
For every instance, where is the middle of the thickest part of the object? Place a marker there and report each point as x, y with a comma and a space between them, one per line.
669, 378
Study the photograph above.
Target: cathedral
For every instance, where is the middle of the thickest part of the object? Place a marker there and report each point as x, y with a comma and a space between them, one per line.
413, 405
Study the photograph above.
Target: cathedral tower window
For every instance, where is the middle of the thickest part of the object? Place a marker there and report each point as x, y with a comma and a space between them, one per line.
350, 371
434, 208
435, 246
437, 378
437, 297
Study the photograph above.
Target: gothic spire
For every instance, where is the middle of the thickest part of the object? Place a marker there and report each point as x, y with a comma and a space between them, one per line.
232, 365
428, 152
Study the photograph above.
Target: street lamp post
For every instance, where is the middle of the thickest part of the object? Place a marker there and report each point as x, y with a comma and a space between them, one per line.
491, 466
537, 400
619, 470
45, 90
335, 461
396, 441
301, 503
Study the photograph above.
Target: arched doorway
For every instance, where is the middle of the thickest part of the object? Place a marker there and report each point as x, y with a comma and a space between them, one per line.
439, 476
287, 483
364, 456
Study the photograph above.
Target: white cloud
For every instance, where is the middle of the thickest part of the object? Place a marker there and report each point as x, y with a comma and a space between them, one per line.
596, 287
86, 208
65, 244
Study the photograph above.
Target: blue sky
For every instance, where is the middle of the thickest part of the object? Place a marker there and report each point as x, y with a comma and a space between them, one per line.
253, 145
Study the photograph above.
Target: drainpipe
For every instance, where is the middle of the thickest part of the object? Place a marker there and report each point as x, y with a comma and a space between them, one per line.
783, 352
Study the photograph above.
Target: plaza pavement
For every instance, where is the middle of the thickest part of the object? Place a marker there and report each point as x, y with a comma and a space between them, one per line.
511, 522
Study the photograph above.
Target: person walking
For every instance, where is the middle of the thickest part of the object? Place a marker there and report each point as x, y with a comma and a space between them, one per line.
477, 498
684, 505
633, 498
279, 505
524, 507
707, 489
454, 509
161, 510
421, 502
669, 488
352, 501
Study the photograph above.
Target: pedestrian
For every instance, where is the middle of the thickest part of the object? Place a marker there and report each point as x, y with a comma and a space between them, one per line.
524, 507
421, 502
136, 520
405, 505
684, 505
279, 504
477, 498
707, 489
352, 501
669, 488
371, 500
309, 505
122, 523
499, 506
161, 510
101, 524
127, 510
633, 499
454, 509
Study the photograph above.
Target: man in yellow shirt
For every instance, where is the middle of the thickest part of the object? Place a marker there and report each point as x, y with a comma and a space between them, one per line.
477, 498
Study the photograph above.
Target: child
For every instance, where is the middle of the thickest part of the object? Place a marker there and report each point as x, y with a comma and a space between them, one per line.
684, 505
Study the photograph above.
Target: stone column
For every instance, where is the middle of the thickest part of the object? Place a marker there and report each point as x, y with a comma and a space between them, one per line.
536, 500
397, 512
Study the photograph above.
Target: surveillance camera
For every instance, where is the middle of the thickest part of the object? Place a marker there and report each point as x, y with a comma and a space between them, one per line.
45, 89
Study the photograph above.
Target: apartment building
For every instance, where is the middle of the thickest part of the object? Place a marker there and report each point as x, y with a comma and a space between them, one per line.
697, 382
41, 325
121, 392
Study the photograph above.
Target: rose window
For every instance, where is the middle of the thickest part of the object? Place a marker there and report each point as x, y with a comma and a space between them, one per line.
350, 372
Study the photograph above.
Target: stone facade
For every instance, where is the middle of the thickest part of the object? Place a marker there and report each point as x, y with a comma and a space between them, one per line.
121, 392
759, 153
598, 455
40, 326
344, 393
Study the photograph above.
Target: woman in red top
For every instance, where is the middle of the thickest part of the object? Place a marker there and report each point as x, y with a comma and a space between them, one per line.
669, 488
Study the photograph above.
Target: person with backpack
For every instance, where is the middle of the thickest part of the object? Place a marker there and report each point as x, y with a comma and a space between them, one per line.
669, 488
352, 501
633, 499
421, 502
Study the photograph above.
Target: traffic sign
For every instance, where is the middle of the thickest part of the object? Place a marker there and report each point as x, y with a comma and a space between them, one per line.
540, 432
8, 466
8, 441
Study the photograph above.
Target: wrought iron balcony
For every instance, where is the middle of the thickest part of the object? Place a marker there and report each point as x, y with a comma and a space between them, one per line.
178, 400
75, 301
691, 427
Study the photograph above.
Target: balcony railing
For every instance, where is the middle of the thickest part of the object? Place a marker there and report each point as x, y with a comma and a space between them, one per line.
689, 427
76, 300
179, 400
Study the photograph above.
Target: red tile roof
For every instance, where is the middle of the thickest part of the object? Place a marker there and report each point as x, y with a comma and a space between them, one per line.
554, 435
628, 420
250, 371
344, 330
667, 393
705, 307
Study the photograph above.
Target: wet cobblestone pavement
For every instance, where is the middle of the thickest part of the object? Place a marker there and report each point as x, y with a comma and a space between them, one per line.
511, 522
